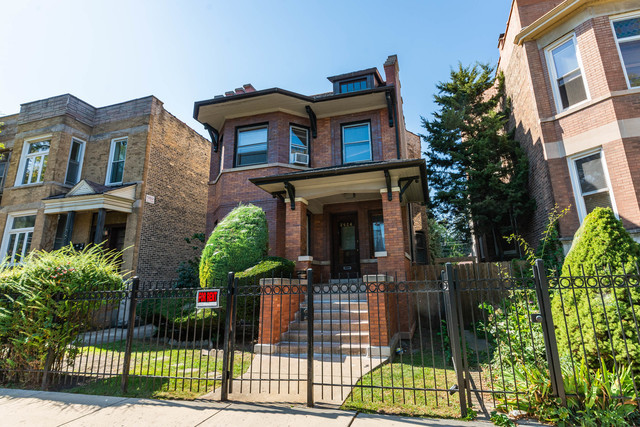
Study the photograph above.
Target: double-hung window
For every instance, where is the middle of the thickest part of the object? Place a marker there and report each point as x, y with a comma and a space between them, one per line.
566, 74
117, 156
17, 237
4, 165
627, 31
251, 148
377, 233
590, 182
356, 143
299, 145
34, 162
75, 162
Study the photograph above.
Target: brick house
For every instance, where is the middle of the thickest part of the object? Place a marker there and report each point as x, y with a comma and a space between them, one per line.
339, 177
572, 71
130, 175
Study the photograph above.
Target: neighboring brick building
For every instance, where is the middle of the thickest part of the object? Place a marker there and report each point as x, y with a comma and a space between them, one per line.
130, 174
339, 177
572, 71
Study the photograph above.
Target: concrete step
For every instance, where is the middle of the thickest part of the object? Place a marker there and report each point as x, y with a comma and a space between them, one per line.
345, 304
332, 325
354, 337
337, 315
288, 347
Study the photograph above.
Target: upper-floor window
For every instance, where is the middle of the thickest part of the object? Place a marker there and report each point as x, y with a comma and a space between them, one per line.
251, 146
117, 156
566, 73
4, 165
590, 182
353, 85
627, 32
299, 145
33, 162
74, 167
17, 236
356, 143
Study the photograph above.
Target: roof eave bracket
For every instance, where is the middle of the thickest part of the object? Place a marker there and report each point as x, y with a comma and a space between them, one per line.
291, 192
313, 120
387, 178
214, 135
407, 182
279, 195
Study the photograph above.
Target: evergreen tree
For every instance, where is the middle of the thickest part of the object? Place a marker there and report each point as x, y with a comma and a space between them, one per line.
477, 170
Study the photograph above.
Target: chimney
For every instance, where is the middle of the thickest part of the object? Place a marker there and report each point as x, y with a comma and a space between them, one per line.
249, 88
239, 90
229, 93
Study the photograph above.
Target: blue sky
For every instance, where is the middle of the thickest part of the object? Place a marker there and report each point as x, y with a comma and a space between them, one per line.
182, 51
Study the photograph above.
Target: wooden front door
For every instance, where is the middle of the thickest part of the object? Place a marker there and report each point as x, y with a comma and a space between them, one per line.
345, 245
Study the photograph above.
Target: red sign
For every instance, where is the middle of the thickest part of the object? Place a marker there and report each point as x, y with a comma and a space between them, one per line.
208, 298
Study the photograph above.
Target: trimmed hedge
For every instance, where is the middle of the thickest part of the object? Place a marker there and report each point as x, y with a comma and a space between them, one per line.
269, 267
606, 321
239, 241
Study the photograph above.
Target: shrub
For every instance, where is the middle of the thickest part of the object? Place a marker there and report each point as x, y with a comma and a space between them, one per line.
38, 315
188, 271
239, 241
599, 320
272, 266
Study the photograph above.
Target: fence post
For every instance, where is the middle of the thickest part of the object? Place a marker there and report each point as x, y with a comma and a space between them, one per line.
224, 391
310, 343
135, 283
549, 331
453, 327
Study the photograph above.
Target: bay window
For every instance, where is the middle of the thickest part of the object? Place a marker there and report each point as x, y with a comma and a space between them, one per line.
627, 34
590, 182
33, 162
566, 74
251, 146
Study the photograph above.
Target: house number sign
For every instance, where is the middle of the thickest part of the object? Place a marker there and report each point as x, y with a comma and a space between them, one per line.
208, 298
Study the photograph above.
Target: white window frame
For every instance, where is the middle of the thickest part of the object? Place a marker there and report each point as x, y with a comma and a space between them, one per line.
23, 159
575, 181
551, 66
83, 144
8, 231
624, 17
111, 154
291, 144
344, 146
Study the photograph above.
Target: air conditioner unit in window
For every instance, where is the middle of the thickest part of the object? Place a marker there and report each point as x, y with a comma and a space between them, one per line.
300, 158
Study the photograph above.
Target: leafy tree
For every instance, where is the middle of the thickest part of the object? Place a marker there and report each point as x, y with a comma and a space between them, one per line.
477, 170
238, 242
188, 271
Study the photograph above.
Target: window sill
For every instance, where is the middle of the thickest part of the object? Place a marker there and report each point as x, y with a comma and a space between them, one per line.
380, 254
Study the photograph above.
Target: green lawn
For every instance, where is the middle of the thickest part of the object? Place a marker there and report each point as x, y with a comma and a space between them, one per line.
414, 371
153, 360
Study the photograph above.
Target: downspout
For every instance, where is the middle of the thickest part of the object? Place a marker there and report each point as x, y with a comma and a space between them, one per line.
392, 104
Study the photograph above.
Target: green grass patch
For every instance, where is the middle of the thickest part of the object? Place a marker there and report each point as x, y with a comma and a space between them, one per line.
413, 371
149, 360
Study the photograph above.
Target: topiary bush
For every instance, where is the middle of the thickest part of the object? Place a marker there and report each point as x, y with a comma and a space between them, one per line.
238, 242
599, 318
272, 266
38, 314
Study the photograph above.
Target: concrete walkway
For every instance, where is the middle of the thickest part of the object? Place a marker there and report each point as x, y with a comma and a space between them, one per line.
37, 408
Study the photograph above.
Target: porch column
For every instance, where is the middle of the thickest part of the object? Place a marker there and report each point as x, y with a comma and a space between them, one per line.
68, 228
394, 263
99, 235
296, 234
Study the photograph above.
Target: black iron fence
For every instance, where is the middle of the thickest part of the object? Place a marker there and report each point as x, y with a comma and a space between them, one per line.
481, 336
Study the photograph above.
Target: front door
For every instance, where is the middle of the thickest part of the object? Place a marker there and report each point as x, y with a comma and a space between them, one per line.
345, 246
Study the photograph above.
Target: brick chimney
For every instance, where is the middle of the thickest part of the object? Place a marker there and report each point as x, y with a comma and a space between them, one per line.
248, 88
392, 77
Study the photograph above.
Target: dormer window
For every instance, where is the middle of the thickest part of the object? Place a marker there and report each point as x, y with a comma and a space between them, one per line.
353, 85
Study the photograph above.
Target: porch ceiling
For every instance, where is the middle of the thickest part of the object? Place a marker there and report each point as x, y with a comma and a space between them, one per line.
343, 184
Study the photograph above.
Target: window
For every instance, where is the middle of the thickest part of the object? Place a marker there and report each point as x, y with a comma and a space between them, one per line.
299, 145
353, 85
4, 165
115, 170
356, 143
75, 162
251, 148
377, 232
627, 33
34, 162
17, 237
566, 74
590, 183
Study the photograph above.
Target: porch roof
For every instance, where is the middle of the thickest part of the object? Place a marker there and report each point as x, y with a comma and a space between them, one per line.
353, 182
87, 195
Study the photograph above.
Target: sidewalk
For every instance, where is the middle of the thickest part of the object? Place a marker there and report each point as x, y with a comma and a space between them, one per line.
38, 408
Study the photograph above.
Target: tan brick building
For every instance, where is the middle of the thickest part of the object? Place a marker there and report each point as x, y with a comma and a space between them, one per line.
572, 70
130, 175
